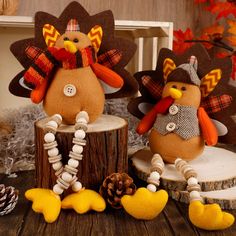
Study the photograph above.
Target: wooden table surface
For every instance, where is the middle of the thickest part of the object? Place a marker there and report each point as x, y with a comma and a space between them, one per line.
23, 221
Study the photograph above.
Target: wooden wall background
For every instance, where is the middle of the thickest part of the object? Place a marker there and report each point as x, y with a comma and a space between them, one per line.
184, 13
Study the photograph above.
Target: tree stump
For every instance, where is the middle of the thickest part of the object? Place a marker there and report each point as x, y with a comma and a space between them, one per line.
216, 175
104, 153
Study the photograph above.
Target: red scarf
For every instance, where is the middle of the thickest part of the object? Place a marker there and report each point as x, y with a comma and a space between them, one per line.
53, 57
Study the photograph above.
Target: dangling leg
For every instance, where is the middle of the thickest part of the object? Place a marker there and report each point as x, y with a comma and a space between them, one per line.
84, 199
209, 216
146, 203
46, 201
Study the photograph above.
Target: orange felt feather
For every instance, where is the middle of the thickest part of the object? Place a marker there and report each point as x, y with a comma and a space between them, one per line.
38, 93
108, 76
208, 129
148, 120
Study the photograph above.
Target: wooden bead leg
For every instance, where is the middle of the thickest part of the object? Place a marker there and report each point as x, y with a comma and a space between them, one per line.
191, 177
156, 171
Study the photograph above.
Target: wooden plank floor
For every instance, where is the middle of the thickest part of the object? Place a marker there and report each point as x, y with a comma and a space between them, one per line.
23, 221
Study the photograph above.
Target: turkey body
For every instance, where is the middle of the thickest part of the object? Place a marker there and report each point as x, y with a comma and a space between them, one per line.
172, 146
89, 95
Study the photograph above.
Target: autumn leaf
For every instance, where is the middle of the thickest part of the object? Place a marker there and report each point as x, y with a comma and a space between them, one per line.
205, 37
232, 25
215, 32
179, 44
223, 9
231, 40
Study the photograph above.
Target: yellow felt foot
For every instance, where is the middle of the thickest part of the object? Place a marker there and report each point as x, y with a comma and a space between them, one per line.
209, 217
45, 201
84, 201
145, 204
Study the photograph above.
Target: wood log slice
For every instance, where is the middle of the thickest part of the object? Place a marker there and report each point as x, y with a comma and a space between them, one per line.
216, 169
226, 198
104, 153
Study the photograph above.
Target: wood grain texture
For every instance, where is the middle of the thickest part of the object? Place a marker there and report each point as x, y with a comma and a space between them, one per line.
214, 172
216, 176
225, 198
23, 221
15, 219
104, 153
184, 13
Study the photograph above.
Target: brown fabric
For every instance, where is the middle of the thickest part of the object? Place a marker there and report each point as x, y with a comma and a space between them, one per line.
179, 75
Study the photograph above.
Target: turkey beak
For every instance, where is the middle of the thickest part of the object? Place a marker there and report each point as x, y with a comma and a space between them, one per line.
70, 47
175, 93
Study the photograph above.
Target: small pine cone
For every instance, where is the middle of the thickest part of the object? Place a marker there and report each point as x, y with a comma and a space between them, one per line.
8, 199
115, 186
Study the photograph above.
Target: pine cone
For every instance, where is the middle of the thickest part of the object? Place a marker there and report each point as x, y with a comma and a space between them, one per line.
8, 199
115, 186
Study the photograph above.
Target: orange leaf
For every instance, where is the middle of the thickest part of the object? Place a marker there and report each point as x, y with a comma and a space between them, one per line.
179, 44
231, 40
206, 37
232, 24
223, 9
214, 29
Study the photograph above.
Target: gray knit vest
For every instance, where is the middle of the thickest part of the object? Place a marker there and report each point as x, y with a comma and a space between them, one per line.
185, 122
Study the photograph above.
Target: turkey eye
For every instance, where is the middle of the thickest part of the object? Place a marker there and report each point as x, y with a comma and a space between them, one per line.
66, 39
174, 86
183, 88
75, 40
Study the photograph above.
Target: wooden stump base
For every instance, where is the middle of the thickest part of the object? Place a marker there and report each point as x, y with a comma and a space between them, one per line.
104, 153
226, 198
216, 174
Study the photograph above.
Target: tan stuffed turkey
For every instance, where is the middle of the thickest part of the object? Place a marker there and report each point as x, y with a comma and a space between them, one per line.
179, 129
65, 69
75, 86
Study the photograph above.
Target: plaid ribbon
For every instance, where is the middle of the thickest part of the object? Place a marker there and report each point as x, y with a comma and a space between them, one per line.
110, 58
154, 87
33, 52
213, 104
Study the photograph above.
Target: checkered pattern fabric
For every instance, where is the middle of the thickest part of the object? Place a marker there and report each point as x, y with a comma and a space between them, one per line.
110, 58
73, 25
46, 61
154, 87
33, 52
213, 104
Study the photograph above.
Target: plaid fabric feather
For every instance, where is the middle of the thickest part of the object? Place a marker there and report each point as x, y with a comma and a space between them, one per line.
154, 87
46, 61
213, 104
110, 58
33, 52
